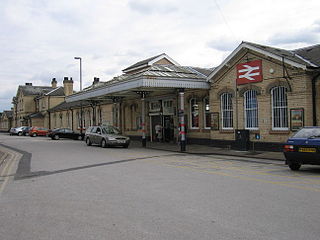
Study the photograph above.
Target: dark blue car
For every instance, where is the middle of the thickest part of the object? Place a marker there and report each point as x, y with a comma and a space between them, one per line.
303, 148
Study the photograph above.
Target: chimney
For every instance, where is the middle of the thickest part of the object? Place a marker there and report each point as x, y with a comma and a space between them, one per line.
68, 86
28, 84
54, 83
95, 80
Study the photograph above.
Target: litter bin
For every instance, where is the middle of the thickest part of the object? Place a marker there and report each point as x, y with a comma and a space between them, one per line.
242, 140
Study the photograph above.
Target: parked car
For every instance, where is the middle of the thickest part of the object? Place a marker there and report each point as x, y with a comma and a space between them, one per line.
303, 148
38, 131
25, 131
58, 133
105, 136
17, 131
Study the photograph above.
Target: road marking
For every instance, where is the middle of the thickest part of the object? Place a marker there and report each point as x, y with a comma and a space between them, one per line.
9, 163
212, 167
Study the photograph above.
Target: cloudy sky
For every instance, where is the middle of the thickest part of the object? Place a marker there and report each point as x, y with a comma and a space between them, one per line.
40, 38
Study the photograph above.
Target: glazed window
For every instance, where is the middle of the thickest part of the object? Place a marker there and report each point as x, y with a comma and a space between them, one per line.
226, 111
194, 113
207, 118
279, 108
251, 109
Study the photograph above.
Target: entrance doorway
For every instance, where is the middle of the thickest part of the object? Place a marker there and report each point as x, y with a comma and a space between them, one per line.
156, 126
168, 128
162, 128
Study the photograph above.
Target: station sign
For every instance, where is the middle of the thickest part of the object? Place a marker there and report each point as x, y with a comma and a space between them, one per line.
249, 72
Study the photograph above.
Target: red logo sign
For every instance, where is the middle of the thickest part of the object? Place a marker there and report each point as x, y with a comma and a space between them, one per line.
249, 72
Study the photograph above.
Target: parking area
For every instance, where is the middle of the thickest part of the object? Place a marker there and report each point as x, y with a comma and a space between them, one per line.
67, 190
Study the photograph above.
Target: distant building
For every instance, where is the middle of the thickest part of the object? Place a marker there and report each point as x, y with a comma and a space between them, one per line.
6, 118
31, 103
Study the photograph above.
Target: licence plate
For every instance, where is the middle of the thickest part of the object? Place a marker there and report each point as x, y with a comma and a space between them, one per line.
122, 141
312, 150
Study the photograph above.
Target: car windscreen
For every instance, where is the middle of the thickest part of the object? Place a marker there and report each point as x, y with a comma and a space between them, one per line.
110, 130
307, 133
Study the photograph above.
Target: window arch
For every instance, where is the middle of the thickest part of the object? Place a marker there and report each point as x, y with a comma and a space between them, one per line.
251, 109
61, 119
194, 113
206, 110
226, 111
279, 108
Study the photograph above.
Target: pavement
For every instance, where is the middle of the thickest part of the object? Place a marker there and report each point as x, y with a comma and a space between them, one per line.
205, 150
208, 150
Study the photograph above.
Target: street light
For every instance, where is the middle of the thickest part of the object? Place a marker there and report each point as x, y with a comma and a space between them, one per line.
79, 58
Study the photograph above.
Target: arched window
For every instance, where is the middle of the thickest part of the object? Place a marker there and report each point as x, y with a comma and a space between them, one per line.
207, 118
88, 119
226, 111
194, 113
279, 108
251, 109
60, 116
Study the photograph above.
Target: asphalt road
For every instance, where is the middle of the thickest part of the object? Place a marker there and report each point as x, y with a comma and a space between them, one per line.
66, 190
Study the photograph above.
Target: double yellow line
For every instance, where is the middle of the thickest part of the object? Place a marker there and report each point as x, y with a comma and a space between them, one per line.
8, 162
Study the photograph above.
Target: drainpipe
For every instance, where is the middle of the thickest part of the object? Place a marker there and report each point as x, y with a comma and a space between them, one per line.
314, 93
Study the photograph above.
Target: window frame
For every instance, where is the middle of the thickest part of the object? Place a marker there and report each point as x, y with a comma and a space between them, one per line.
222, 103
255, 110
285, 108
205, 113
191, 113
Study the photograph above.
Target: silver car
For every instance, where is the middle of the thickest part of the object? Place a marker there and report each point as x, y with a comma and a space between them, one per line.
105, 136
17, 131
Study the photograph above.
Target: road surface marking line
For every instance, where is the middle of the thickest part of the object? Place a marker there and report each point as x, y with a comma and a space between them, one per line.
251, 179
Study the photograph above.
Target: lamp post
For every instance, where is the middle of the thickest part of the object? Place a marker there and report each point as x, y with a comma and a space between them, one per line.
79, 58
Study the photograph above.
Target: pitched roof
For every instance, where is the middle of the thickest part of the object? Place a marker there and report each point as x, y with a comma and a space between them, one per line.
66, 106
8, 113
59, 91
35, 115
301, 58
162, 71
148, 62
34, 90
205, 71
294, 55
311, 53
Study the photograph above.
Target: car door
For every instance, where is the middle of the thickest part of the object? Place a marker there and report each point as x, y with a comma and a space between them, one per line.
98, 135
68, 133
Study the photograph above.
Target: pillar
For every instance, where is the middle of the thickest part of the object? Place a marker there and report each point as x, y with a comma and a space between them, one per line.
182, 123
143, 123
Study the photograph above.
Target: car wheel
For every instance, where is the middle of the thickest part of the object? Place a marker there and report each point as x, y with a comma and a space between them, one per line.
88, 142
294, 166
34, 135
19, 133
103, 143
126, 146
56, 137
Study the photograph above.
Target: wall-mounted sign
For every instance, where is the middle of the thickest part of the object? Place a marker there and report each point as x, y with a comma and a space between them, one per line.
215, 121
297, 118
249, 72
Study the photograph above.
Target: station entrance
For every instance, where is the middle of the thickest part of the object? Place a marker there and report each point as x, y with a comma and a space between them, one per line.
162, 128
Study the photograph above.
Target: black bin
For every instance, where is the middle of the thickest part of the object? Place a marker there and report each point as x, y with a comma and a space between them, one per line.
242, 140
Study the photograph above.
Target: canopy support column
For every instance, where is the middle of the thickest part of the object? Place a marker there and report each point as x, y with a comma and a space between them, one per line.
182, 122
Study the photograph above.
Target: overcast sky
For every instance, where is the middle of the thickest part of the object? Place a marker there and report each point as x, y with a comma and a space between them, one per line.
40, 38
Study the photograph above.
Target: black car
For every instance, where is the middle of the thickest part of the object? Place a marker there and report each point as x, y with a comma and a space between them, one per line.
25, 131
303, 148
58, 133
